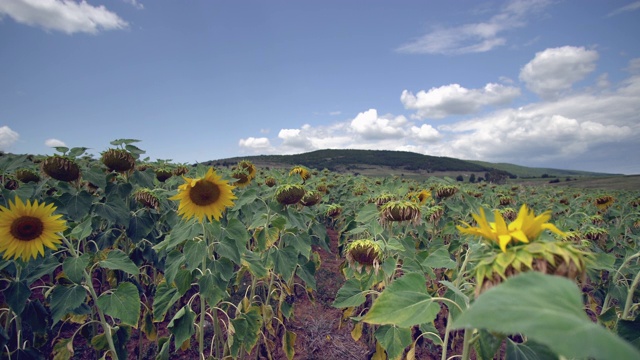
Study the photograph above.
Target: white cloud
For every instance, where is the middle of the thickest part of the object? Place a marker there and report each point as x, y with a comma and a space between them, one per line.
634, 66
630, 7
255, 143
8, 137
334, 113
475, 37
425, 133
135, 4
454, 99
368, 125
62, 15
555, 70
294, 139
54, 143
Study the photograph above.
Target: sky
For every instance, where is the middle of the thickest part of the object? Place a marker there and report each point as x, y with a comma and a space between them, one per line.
540, 83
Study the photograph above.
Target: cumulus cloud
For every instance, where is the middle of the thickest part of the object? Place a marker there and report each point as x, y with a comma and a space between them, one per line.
425, 133
8, 137
62, 15
54, 143
454, 99
627, 8
475, 37
370, 126
555, 70
255, 143
295, 138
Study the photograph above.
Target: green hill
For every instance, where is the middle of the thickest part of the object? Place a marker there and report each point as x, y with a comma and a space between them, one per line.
528, 172
336, 160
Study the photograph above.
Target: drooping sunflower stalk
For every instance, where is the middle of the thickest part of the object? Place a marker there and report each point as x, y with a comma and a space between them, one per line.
525, 228
25, 229
204, 197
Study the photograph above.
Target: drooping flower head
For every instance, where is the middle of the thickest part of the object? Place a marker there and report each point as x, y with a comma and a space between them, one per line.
525, 228
25, 229
290, 194
364, 253
61, 168
604, 202
207, 196
248, 167
400, 210
119, 160
302, 171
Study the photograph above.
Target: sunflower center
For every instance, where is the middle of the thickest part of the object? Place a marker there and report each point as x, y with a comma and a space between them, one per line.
27, 228
204, 193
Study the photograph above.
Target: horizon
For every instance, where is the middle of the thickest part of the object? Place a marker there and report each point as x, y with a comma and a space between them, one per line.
535, 83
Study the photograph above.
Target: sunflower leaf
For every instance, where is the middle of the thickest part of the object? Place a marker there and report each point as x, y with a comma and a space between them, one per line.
163, 300
544, 308
182, 325
393, 339
74, 267
16, 295
404, 303
123, 304
118, 260
64, 299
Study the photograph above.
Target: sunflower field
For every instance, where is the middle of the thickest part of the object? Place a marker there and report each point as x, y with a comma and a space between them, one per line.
125, 258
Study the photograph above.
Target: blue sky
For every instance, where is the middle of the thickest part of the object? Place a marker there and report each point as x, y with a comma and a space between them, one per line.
538, 83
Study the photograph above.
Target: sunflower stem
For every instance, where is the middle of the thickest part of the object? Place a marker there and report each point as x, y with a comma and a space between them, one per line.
203, 305
94, 296
629, 302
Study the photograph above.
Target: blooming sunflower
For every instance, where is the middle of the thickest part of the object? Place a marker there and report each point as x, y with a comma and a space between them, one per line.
524, 228
207, 196
25, 229
302, 171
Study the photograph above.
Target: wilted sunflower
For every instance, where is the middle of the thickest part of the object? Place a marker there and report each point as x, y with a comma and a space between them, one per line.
302, 171
604, 202
289, 194
25, 229
311, 197
147, 198
27, 176
270, 181
365, 254
446, 191
524, 228
400, 210
207, 197
248, 167
119, 160
61, 168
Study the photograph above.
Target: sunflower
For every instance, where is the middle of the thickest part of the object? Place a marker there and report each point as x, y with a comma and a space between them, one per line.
26, 228
364, 253
207, 196
524, 228
302, 171
248, 166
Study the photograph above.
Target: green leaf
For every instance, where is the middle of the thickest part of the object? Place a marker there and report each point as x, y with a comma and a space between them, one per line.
194, 252
64, 299
487, 344
528, 351
76, 151
96, 176
114, 210
16, 295
284, 261
212, 288
349, 295
254, 263
630, 331
404, 303
163, 300
36, 315
173, 264
439, 259
182, 231
183, 280
367, 213
74, 267
39, 267
546, 309
300, 242
81, 230
238, 231
123, 304
182, 325
247, 330
164, 345
63, 349
140, 225
76, 206
118, 260
393, 339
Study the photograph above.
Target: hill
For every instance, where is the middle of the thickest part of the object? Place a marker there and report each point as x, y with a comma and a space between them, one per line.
527, 172
339, 160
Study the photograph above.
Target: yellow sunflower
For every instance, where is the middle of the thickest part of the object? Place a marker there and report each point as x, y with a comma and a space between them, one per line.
524, 228
302, 171
207, 196
25, 229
